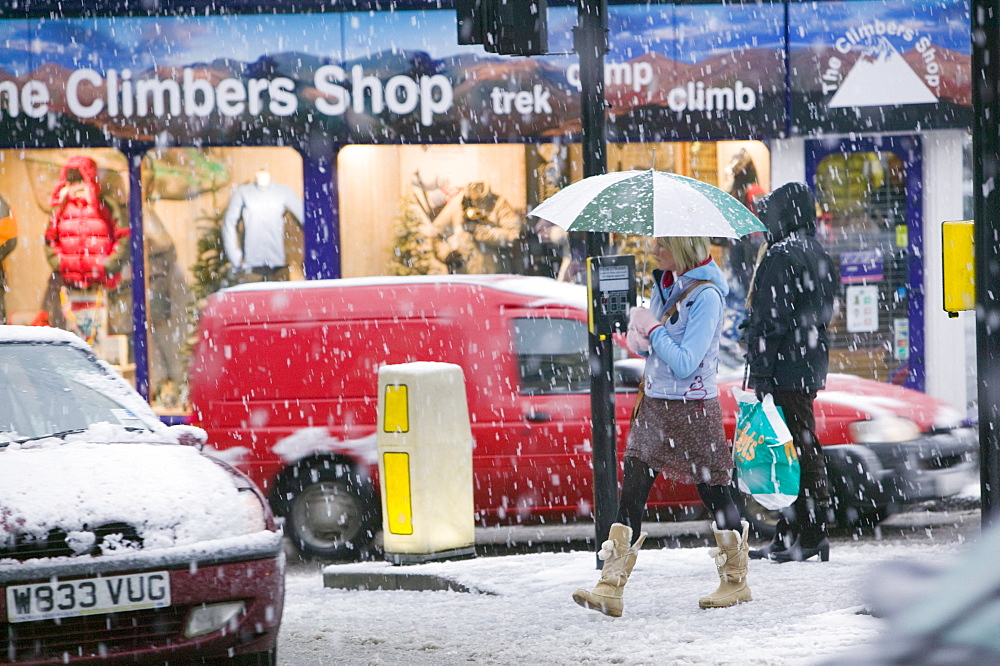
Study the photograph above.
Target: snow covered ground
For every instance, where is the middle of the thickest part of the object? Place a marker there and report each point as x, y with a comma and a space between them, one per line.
802, 613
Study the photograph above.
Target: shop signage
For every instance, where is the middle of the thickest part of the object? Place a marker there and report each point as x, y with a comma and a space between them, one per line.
382, 77
862, 308
684, 72
861, 266
880, 66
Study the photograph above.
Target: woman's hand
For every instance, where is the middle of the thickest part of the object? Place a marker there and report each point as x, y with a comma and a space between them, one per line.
636, 341
643, 320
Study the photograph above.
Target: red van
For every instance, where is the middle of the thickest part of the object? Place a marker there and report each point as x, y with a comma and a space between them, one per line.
284, 378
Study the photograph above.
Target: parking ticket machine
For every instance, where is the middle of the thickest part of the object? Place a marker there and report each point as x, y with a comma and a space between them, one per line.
611, 293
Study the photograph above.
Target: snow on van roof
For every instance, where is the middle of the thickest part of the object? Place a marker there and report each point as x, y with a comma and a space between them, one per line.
545, 289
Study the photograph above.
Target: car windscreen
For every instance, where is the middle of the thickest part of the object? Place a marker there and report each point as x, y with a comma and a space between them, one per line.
52, 388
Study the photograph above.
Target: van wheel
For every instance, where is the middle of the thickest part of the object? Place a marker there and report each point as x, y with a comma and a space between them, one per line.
332, 517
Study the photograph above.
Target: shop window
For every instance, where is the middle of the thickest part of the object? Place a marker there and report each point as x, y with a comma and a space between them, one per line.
435, 210
212, 218
863, 225
411, 210
50, 198
439, 209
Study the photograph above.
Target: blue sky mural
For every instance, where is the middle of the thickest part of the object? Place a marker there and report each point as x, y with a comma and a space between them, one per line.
687, 34
947, 23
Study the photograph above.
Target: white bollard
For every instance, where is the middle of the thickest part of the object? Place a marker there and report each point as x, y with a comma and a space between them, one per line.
424, 444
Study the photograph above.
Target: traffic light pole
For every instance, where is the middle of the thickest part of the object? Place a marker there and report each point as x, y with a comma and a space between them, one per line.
590, 40
986, 205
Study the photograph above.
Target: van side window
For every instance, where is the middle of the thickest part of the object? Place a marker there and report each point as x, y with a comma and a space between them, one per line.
552, 355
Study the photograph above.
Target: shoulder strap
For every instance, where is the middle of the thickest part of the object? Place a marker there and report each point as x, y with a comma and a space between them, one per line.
684, 294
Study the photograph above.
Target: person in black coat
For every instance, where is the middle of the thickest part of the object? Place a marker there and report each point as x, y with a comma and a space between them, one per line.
789, 307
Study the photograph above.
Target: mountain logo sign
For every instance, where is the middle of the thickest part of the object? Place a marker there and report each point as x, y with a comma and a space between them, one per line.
881, 63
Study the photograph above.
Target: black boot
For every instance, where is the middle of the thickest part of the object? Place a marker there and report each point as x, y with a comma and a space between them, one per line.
812, 540
780, 542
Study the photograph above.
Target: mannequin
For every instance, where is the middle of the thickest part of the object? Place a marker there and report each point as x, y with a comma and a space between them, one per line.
261, 205
476, 232
86, 245
166, 294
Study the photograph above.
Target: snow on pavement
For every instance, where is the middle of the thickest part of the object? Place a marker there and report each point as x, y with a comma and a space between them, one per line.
802, 612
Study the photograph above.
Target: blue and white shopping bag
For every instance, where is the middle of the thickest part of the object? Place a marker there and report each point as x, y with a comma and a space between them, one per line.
767, 466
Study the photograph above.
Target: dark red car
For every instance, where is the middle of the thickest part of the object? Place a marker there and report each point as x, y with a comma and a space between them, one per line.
120, 541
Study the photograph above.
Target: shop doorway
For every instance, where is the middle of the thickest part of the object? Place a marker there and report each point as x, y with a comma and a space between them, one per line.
868, 195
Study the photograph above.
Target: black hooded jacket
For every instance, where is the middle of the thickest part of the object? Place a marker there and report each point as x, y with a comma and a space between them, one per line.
792, 299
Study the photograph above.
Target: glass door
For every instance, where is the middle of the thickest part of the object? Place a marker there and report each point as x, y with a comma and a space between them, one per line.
868, 195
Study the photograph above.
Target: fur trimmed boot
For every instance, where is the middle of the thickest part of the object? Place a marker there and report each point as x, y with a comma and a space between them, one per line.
619, 559
732, 560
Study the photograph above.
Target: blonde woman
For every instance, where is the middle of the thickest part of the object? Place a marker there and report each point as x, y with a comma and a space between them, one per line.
677, 428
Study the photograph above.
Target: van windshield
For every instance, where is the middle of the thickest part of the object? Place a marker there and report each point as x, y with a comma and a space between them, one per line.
552, 355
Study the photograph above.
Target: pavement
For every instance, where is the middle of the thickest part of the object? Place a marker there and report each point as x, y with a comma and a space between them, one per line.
932, 524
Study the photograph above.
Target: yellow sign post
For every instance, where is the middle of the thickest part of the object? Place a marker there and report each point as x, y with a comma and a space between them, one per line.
959, 266
424, 443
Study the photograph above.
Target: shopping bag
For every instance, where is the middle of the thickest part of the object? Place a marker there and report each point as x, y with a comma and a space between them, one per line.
767, 466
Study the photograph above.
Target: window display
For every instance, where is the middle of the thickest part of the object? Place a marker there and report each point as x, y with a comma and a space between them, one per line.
8, 241
466, 209
190, 196
86, 243
72, 266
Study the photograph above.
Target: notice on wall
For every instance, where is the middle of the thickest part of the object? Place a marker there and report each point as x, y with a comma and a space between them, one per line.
901, 339
862, 309
861, 266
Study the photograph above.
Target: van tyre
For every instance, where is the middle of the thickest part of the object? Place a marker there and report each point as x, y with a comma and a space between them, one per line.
331, 515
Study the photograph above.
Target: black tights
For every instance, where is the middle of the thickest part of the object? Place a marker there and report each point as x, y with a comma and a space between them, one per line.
638, 481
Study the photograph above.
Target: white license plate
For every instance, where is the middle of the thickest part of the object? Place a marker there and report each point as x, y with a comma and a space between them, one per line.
90, 596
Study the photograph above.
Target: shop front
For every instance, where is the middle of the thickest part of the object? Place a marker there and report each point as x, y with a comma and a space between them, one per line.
242, 147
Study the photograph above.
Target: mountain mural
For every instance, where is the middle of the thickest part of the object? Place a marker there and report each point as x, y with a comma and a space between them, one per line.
881, 77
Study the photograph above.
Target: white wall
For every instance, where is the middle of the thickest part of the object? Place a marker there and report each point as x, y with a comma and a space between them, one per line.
944, 337
788, 162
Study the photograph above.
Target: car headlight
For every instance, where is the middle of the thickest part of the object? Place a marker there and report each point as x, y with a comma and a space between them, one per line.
884, 429
212, 617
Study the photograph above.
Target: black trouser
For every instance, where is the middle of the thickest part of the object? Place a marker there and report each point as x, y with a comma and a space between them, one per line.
808, 513
637, 483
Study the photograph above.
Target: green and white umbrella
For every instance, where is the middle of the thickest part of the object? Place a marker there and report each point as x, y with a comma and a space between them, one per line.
648, 203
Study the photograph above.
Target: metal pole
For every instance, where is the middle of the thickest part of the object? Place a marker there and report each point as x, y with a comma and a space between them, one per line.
986, 204
591, 43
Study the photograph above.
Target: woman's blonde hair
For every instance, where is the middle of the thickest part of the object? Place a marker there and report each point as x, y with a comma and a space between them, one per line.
688, 251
